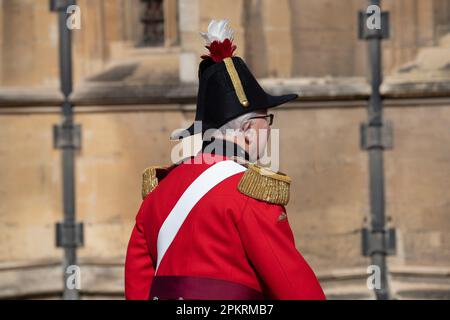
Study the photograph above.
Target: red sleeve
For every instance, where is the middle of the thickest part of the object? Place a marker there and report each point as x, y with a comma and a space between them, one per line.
139, 268
270, 246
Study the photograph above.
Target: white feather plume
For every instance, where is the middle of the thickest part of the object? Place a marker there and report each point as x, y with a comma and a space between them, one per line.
218, 31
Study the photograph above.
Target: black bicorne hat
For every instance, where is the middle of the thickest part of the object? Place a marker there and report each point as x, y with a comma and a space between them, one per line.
227, 88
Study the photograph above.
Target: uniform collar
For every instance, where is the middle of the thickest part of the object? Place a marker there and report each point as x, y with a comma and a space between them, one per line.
225, 148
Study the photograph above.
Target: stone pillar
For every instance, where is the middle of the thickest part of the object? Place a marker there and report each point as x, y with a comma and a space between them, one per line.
90, 50
170, 23
277, 29
131, 26
425, 23
188, 67
189, 22
29, 42
189, 26
324, 38
112, 21
18, 42
255, 38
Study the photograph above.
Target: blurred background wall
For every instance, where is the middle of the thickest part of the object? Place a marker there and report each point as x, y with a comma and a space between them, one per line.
135, 65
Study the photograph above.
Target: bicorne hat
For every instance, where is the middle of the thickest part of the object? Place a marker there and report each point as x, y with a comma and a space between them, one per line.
227, 88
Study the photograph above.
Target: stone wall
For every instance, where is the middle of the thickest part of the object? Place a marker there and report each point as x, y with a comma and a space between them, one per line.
278, 38
329, 202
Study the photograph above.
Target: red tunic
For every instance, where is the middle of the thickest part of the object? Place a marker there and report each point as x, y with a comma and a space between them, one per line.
227, 236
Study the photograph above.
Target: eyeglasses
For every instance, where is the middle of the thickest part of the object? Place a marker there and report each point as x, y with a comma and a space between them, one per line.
268, 117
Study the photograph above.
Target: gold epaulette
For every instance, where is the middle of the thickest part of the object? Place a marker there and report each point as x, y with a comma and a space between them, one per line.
265, 185
151, 176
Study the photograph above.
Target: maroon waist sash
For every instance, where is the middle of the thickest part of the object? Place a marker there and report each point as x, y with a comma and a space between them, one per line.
197, 288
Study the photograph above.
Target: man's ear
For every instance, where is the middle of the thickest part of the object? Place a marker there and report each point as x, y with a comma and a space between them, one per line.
246, 125
246, 129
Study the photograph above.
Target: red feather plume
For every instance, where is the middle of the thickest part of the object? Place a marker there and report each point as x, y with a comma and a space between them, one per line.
219, 50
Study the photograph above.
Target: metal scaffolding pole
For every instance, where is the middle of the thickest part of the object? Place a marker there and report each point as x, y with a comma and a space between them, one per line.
67, 138
376, 136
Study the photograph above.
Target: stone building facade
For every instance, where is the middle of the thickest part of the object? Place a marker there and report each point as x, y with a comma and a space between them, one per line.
130, 95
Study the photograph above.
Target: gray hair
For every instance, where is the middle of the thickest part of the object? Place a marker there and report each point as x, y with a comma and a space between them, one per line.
235, 124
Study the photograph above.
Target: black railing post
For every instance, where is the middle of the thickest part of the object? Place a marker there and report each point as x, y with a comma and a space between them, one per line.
67, 137
376, 136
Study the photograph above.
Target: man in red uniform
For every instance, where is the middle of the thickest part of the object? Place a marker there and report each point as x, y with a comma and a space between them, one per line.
214, 226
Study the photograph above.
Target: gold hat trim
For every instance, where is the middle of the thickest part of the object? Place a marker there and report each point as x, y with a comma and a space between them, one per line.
237, 84
265, 185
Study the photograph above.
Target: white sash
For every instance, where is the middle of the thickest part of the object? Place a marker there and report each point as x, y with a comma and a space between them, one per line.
204, 182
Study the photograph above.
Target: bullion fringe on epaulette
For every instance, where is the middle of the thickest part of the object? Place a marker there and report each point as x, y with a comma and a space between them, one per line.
264, 185
149, 180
